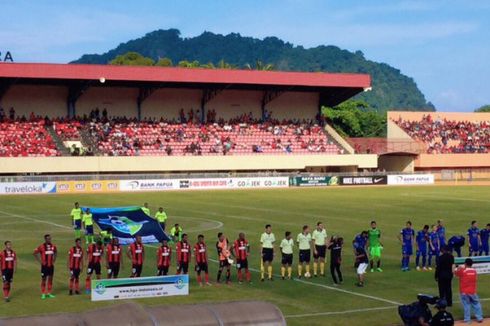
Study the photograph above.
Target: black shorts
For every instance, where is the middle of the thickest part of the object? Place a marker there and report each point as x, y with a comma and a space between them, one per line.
8, 275
267, 254
75, 272
47, 271
89, 230
136, 271
113, 270
183, 268
304, 256
201, 267
93, 267
242, 263
320, 252
287, 259
224, 263
162, 270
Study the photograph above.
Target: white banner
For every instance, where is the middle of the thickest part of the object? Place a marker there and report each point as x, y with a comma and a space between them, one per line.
149, 185
411, 179
235, 183
22, 188
140, 287
480, 263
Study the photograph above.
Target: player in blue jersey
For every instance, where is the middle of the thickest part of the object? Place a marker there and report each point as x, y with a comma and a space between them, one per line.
434, 246
406, 238
422, 240
484, 235
360, 240
441, 232
474, 239
456, 243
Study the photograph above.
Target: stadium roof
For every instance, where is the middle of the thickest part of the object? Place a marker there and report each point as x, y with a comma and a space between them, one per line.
336, 87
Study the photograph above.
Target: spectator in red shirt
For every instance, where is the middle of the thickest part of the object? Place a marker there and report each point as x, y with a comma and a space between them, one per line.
467, 290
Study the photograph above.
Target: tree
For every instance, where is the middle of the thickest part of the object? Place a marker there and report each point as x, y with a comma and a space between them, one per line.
225, 65
132, 59
485, 108
164, 62
259, 65
356, 119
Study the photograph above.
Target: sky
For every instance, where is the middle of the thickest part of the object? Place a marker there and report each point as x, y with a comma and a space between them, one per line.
443, 45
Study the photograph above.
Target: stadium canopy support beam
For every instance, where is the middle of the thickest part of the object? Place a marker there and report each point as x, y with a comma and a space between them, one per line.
207, 95
268, 97
74, 93
144, 93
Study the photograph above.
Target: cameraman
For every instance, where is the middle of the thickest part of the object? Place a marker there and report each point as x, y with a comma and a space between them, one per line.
442, 317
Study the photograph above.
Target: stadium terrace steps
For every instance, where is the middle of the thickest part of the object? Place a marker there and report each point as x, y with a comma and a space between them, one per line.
58, 142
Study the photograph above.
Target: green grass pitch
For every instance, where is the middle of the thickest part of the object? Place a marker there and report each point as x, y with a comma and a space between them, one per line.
344, 211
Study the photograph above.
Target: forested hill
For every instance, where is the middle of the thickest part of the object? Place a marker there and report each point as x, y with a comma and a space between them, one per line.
391, 89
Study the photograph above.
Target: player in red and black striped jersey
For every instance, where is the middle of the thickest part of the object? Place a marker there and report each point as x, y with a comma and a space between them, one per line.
200, 252
46, 254
95, 254
164, 257
183, 249
241, 252
114, 258
136, 252
75, 265
8, 265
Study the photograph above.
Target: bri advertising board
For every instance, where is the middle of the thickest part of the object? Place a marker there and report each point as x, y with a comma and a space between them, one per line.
140, 287
92, 186
26, 188
411, 179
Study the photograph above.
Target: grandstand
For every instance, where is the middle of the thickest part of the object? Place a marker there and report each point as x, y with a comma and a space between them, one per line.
446, 140
157, 115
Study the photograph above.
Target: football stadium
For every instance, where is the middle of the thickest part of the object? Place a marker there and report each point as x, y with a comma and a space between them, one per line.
174, 195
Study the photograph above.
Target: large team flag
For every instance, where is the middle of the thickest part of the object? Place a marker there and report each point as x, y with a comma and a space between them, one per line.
128, 222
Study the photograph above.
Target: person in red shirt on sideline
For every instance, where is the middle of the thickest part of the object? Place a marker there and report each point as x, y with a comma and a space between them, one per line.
183, 255
467, 291
95, 253
200, 252
224, 253
136, 252
8, 265
164, 256
75, 265
46, 254
114, 258
242, 250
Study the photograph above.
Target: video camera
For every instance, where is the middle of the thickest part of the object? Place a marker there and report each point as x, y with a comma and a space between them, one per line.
411, 313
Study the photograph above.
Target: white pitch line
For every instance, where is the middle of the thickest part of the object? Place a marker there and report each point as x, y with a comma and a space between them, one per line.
328, 313
331, 288
36, 220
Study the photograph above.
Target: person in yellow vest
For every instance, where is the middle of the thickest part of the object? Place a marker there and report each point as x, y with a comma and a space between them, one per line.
304, 244
145, 209
76, 217
106, 236
287, 245
176, 233
319, 237
88, 225
161, 217
267, 240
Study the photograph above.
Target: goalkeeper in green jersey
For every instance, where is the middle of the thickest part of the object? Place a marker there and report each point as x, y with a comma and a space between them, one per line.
375, 246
